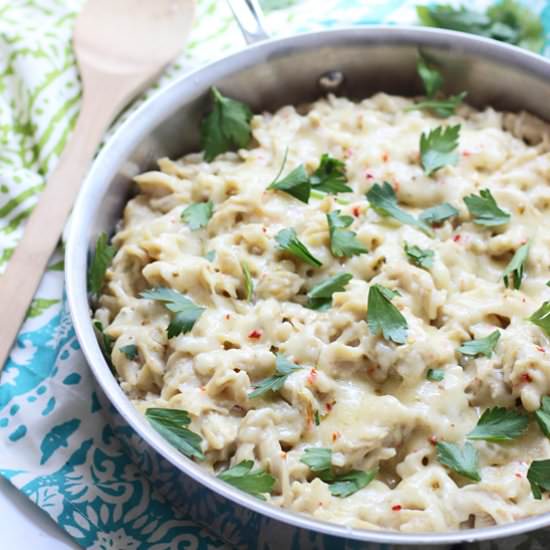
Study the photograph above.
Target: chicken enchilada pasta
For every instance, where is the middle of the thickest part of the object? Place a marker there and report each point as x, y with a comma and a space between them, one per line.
350, 316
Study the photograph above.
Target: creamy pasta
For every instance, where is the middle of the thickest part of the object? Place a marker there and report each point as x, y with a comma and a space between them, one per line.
364, 397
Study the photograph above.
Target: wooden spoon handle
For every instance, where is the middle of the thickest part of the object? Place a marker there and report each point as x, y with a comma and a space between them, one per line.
26, 267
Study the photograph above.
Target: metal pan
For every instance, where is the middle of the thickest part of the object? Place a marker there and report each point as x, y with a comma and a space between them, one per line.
267, 75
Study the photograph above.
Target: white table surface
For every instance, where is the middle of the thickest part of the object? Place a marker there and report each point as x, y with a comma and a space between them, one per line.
24, 525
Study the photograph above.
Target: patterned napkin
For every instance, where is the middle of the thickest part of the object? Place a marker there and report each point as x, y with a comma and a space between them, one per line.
57, 445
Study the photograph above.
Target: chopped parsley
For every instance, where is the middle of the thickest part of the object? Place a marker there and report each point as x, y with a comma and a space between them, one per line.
435, 375
541, 317
538, 476
186, 312
330, 176
226, 127
463, 461
296, 183
485, 210
197, 215
438, 214
443, 108
383, 317
542, 416
131, 351
172, 425
289, 242
438, 148
320, 296
241, 476
481, 346
432, 80
105, 343
248, 282
343, 242
516, 267
420, 257
499, 424
102, 258
318, 459
283, 369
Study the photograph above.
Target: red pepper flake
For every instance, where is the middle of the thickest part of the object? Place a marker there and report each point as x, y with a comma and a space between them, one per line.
432, 440
518, 475
312, 376
540, 348
456, 238
255, 334
356, 211
385, 157
396, 186
264, 229
202, 388
526, 377
466, 153
328, 406
369, 176
335, 436
227, 316
348, 151
396, 507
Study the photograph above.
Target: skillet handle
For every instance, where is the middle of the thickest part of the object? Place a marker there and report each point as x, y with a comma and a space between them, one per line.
250, 19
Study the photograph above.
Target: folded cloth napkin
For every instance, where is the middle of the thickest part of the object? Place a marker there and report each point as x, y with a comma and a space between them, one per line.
57, 445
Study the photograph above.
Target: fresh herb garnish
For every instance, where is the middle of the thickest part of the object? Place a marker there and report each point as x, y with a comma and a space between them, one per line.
438, 148
485, 210
508, 21
441, 107
226, 127
296, 183
435, 375
541, 317
420, 257
187, 313
131, 351
172, 425
103, 256
542, 416
283, 369
343, 242
538, 476
105, 343
242, 477
289, 242
210, 255
248, 282
320, 296
197, 215
383, 200
317, 418
431, 77
330, 176
319, 461
438, 214
499, 424
516, 267
463, 461
481, 346
383, 317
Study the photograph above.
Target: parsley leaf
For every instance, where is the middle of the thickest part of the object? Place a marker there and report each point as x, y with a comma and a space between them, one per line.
103, 256
441, 107
539, 477
342, 241
187, 313
439, 213
541, 317
499, 424
283, 369
172, 425
289, 242
431, 77
481, 346
226, 127
242, 477
330, 176
131, 351
508, 21
296, 183
210, 255
320, 296
318, 459
197, 215
383, 200
438, 148
317, 418
420, 257
542, 416
105, 343
435, 375
383, 317
484, 209
516, 266
248, 282
463, 461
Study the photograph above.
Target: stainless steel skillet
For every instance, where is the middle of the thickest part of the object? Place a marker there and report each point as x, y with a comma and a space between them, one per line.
268, 75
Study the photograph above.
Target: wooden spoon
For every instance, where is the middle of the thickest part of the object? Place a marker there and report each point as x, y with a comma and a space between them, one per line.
121, 46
